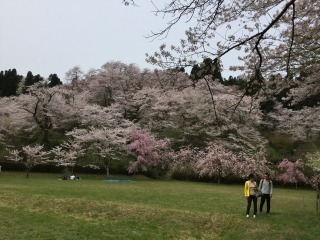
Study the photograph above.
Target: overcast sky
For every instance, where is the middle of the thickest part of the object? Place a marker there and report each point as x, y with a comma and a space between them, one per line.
52, 36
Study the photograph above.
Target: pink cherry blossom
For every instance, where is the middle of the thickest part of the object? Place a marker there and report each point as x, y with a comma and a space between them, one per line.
291, 172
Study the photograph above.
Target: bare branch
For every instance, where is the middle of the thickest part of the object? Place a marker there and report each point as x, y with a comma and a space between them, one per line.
291, 40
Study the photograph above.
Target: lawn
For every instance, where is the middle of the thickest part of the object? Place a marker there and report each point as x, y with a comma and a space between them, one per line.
43, 207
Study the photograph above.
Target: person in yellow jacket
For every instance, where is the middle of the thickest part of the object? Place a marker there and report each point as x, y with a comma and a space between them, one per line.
250, 187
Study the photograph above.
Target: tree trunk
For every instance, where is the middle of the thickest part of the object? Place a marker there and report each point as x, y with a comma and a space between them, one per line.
219, 173
106, 163
45, 137
317, 202
108, 171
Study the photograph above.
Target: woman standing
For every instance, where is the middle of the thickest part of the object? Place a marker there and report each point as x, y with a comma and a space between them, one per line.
250, 187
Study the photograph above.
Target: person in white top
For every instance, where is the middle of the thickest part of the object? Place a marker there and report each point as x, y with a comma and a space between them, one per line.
266, 187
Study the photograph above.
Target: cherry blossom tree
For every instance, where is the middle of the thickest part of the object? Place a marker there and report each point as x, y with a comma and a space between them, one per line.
29, 156
218, 162
104, 132
256, 163
215, 161
270, 36
65, 110
161, 104
42, 110
191, 112
104, 142
16, 125
297, 42
140, 103
184, 161
68, 154
291, 172
313, 161
93, 115
300, 124
145, 148
74, 75
38, 108
118, 83
141, 146
169, 79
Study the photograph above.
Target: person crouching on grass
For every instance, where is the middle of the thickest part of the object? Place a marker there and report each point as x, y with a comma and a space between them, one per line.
250, 187
266, 186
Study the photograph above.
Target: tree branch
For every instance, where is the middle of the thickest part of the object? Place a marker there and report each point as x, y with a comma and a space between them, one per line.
291, 40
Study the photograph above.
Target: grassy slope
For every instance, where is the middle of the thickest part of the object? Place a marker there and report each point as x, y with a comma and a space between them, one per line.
43, 207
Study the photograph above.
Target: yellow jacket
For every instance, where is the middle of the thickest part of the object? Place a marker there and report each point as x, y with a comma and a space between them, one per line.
247, 189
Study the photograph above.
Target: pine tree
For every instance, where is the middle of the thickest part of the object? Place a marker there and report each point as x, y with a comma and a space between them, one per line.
1, 83
54, 80
29, 79
9, 82
37, 78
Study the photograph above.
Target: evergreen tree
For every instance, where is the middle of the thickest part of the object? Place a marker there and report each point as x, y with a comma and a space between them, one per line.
195, 73
216, 70
9, 82
37, 78
230, 81
29, 79
54, 80
1, 83
207, 67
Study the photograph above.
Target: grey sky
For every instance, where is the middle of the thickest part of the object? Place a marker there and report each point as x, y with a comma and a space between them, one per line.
52, 36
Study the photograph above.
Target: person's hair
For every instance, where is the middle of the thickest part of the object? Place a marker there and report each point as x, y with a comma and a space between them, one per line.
267, 174
251, 175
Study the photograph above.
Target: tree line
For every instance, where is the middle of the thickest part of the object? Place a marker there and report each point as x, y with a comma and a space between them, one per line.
159, 122
13, 84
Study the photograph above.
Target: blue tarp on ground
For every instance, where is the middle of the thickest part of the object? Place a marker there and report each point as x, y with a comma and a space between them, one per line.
117, 181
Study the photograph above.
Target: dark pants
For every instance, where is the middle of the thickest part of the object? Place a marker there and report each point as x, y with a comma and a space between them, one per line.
265, 197
250, 199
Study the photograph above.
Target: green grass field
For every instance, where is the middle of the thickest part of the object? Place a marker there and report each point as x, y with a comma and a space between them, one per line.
43, 207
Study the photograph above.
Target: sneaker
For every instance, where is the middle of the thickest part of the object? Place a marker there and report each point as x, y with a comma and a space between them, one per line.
247, 215
254, 216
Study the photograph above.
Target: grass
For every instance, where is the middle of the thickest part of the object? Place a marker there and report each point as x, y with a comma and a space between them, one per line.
43, 207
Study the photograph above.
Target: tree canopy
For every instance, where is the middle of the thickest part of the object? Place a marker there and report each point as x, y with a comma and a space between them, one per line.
274, 38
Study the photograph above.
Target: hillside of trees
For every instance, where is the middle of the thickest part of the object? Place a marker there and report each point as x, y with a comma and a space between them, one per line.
122, 119
13, 84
